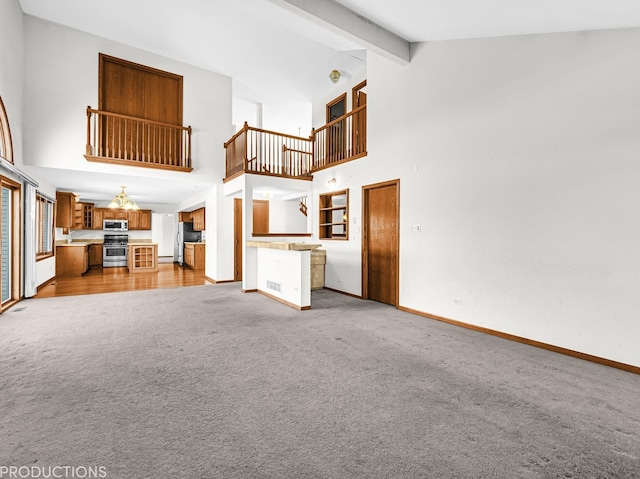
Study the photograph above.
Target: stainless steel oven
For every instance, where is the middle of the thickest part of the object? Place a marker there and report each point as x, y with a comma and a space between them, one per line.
114, 250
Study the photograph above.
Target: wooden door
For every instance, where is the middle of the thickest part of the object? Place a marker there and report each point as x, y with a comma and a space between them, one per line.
260, 217
380, 242
237, 239
359, 130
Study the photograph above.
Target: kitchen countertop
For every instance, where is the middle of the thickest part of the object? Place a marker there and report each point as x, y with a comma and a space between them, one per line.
75, 243
283, 245
194, 242
143, 243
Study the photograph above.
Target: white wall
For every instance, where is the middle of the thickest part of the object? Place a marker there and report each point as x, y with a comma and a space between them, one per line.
285, 216
162, 232
13, 94
525, 190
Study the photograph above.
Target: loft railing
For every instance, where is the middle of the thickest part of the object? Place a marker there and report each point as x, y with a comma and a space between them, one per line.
123, 139
253, 150
343, 139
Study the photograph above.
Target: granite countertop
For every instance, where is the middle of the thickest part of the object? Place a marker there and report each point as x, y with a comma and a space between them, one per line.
283, 245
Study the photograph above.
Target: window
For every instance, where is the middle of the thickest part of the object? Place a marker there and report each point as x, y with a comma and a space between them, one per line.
334, 215
6, 148
44, 227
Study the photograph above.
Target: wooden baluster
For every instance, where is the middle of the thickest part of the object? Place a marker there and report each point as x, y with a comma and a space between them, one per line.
88, 147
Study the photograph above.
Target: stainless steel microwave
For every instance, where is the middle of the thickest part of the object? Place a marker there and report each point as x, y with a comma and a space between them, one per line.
115, 225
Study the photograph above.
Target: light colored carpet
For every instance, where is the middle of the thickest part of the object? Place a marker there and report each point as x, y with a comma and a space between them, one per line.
208, 382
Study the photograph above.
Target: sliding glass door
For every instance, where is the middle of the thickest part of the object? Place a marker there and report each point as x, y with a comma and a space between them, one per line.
6, 244
9, 241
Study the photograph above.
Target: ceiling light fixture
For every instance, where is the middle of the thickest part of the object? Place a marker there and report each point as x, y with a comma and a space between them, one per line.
334, 76
123, 202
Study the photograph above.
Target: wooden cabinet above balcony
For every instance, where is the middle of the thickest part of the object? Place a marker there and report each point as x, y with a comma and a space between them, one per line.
139, 117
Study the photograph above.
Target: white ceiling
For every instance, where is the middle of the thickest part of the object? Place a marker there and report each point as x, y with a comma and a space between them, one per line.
274, 55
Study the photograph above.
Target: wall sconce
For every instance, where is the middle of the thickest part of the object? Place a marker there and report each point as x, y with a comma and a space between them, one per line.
334, 76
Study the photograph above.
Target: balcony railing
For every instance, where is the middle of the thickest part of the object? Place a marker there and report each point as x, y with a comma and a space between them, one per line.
122, 139
343, 139
253, 150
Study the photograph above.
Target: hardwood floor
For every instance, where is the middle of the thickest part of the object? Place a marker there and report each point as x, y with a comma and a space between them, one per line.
110, 280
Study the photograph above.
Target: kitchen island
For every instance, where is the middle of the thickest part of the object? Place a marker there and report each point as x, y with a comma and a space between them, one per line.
280, 270
142, 257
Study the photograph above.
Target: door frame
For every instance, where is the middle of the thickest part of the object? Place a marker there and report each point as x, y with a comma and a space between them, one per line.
237, 239
365, 236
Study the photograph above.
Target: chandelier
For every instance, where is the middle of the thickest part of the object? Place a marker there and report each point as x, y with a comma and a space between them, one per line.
123, 202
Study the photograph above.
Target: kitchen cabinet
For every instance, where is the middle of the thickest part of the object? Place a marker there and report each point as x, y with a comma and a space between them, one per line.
140, 220
184, 217
134, 220
83, 216
145, 219
95, 254
194, 255
143, 257
98, 216
72, 259
65, 209
197, 217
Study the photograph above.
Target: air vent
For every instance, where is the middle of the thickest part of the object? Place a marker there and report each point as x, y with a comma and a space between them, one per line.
273, 286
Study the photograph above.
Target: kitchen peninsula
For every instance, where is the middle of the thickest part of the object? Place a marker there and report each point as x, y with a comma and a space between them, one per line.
280, 270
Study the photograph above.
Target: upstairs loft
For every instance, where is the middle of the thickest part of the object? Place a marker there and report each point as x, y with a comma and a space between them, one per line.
138, 121
264, 152
128, 140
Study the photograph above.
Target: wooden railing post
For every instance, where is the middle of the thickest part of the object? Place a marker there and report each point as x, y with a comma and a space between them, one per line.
89, 130
245, 130
188, 159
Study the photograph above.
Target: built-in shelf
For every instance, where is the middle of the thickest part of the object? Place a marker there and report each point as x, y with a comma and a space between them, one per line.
334, 215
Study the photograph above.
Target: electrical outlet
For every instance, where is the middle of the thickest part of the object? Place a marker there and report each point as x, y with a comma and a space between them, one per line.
457, 301
416, 228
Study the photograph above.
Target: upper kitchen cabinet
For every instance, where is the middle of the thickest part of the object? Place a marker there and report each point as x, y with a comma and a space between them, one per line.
98, 217
65, 209
140, 220
83, 216
197, 216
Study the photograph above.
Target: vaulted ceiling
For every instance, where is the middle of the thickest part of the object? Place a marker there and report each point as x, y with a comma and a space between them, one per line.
283, 50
